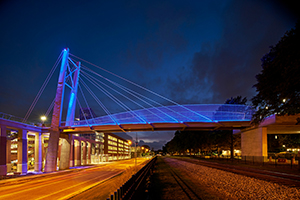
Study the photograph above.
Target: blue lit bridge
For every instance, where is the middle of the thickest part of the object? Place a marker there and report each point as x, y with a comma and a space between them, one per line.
65, 146
175, 117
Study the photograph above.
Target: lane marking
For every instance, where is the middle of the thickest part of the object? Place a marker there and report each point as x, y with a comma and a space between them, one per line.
43, 185
53, 193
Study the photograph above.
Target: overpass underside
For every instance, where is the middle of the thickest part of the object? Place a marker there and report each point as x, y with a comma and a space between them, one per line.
186, 126
254, 141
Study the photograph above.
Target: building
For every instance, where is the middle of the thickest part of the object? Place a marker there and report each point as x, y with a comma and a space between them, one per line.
115, 147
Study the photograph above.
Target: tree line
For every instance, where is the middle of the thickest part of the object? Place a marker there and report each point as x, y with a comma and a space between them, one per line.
202, 142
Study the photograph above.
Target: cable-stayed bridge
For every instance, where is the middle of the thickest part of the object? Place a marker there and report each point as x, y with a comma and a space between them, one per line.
140, 110
149, 114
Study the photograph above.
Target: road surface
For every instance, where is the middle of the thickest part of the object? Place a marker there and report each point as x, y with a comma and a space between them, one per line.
63, 184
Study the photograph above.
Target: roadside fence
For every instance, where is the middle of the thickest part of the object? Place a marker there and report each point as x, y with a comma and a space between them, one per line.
134, 187
272, 160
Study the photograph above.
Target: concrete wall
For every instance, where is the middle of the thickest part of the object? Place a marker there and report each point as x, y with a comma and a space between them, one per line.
254, 142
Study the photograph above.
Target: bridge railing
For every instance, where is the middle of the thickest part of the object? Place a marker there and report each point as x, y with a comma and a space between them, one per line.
13, 118
175, 114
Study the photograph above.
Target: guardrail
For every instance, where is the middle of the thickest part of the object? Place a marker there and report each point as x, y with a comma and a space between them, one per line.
13, 118
133, 188
290, 161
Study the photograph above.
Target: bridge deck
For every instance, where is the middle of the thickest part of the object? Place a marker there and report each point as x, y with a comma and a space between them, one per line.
177, 117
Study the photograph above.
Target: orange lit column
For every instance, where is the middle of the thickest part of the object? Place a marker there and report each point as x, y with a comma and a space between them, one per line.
59, 152
83, 152
38, 152
77, 153
89, 150
72, 152
8, 155
22, 152
3, 167
65, 154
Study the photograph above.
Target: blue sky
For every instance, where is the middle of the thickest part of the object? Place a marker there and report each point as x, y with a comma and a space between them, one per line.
188, 51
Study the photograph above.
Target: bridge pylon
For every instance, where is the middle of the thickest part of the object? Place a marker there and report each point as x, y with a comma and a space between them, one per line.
52, 152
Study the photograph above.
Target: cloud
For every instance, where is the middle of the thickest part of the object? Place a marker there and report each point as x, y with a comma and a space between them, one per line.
227, 67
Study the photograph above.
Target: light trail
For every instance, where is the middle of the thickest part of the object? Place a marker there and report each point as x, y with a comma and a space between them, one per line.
62, 185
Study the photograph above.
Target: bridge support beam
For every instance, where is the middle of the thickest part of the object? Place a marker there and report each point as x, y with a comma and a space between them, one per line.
38, 152
3, 167
72, 151
73, 97
22, 152
51, 157
8, 155
83, 147
77, 153
89, 150
254, 143
65, 154
52, 151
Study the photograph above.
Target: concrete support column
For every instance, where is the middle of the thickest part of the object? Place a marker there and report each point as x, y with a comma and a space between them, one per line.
52, 151
72, 152
3, 143
89, 151
43, 152
231, 145
254, 143
22, 152
77, 153
59, 152
38, 152
83, 152
8, 155
65, 154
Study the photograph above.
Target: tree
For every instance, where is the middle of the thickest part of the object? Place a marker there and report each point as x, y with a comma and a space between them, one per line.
278, 84
236, 100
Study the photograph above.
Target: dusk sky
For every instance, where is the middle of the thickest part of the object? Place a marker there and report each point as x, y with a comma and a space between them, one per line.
193, 52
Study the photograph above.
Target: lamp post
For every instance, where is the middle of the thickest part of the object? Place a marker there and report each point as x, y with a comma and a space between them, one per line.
135, 148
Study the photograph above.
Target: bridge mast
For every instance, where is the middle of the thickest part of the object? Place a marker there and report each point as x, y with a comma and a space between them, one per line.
51, 157
73, 96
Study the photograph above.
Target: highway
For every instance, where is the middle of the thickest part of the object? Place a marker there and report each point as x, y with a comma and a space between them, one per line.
63, 184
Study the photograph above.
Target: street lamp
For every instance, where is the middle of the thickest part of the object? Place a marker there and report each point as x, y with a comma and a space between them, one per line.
43, 118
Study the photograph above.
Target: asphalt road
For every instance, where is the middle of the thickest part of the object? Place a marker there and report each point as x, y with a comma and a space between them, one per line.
62, 184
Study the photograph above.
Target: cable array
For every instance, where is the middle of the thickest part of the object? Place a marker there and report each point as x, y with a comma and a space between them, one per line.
93, 83
37, 97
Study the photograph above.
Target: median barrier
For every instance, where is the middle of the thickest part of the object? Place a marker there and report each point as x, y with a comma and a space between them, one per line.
133, 188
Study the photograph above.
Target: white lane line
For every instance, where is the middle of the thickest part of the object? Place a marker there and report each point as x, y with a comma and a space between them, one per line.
87, 187
43, 185
42, 181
